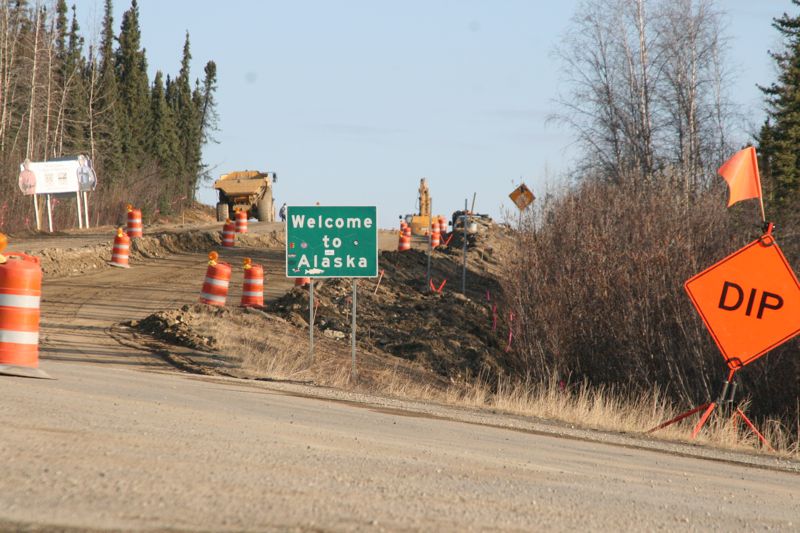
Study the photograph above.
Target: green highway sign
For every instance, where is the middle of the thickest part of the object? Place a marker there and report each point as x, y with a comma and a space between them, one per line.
331, 241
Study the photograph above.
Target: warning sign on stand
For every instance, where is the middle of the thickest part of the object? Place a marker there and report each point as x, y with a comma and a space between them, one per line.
749, 301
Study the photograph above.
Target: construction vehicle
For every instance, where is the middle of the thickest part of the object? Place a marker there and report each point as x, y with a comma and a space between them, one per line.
247, 190
420, 223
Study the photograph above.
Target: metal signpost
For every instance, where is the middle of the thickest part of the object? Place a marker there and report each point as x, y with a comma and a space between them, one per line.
332, 242
464, 220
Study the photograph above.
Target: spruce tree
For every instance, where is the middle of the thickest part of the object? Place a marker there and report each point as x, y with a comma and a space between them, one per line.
108, 110
61, 29
76, 76
208, 110
188, 118
131, 67
164, 142
779, 138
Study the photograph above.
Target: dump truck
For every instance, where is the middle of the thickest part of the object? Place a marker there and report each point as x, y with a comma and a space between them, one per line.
246, 190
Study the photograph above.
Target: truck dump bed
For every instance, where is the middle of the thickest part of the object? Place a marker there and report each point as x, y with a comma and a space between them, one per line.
246, 190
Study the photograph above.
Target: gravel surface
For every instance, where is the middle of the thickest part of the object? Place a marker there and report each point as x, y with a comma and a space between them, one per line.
110, 448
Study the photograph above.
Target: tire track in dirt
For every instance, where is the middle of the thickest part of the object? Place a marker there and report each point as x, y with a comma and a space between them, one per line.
79, 312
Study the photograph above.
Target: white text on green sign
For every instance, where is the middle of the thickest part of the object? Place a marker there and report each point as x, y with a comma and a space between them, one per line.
331, 241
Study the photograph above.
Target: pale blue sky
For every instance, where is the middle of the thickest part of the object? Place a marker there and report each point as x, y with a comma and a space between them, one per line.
352, 101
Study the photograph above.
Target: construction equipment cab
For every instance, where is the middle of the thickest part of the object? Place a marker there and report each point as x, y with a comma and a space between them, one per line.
247, 190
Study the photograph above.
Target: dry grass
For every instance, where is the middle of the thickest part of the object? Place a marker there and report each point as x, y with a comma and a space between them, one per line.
268, 347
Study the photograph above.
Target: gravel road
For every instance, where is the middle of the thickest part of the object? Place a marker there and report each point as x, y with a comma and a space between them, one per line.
111, 448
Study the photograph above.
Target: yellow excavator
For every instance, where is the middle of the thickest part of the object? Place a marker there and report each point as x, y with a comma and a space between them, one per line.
421, 222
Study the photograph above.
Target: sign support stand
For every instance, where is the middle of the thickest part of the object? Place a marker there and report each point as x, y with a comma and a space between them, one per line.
724, 400
86, 208
430, 249
311, 320
80, 210
49, 214
36, 212
464, 266
353, 328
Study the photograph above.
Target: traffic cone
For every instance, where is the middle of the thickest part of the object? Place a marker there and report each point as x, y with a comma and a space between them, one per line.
215, 285
20, 293
253, 288
121, 251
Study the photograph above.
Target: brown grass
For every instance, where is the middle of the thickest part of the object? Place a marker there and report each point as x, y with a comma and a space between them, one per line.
264, 346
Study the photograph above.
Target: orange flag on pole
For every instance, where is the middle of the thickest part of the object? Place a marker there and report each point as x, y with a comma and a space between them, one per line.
741, 173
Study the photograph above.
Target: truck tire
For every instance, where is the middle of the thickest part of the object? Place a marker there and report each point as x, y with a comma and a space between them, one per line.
265, 210
223, 211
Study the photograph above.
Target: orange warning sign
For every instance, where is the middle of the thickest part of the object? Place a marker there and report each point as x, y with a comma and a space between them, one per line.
522, 197
749, 301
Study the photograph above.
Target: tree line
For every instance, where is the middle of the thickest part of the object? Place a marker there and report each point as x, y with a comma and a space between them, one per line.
597, 282
61, 95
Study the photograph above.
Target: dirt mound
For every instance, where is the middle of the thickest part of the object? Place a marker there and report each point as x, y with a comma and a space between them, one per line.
448, 334
64, 262
251, 343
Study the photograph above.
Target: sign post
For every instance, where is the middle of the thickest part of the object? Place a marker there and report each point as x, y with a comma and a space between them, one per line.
311, 319
331, 242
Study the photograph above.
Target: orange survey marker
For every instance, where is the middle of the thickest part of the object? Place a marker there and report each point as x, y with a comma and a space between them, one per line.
749, 301
441, 287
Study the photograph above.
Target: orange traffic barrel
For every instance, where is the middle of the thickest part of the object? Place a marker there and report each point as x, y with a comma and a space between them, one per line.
442, 224
241, 221
435, 235
134, 222
20, 292
253, 288
405, 242
302, 282
228, 234
121, 251
215, 285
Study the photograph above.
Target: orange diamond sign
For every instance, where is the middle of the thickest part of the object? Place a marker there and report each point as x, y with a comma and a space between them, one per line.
522, 197
749, 301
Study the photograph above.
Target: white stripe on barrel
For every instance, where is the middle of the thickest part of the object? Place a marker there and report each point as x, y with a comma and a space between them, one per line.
19, 337
15, 300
